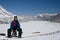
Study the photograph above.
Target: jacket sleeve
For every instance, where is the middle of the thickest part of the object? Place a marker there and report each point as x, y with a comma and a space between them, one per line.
11, 26
18, 25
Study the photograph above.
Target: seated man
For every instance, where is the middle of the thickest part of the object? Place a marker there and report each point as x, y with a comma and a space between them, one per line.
15, 26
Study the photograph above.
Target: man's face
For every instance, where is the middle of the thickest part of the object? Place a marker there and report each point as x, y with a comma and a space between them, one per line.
15, 18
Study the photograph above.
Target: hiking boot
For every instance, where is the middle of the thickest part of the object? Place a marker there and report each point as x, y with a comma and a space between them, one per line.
19, 36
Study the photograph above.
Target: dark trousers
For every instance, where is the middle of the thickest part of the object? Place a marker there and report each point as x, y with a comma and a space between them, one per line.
19, 32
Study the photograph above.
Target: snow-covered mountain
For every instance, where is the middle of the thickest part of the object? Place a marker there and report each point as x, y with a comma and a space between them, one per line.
56, 18
45, 16
38, 17
4, 14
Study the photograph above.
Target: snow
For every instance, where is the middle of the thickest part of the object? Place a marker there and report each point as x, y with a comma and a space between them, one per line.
4, 12
5, 15
34, 26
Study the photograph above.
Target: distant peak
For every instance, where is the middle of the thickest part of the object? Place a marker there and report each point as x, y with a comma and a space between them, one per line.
5, 12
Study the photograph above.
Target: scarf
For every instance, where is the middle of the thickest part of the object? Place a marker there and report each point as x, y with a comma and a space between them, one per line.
15, 23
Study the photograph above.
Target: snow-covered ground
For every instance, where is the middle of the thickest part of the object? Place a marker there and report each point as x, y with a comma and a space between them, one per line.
35, 30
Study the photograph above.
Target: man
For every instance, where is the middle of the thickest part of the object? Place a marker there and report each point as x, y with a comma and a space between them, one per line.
15, 26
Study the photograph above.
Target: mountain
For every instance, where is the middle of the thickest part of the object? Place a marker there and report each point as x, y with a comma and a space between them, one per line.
4, 12
40, 17
45, 16
56, 18
5, 15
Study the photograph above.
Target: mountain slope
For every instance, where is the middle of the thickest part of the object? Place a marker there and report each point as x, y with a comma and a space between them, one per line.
5, 15
4, 12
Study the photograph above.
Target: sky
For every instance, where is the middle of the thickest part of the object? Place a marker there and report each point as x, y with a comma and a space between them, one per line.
31, 7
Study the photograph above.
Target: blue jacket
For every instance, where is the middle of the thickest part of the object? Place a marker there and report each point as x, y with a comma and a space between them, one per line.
12, 25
